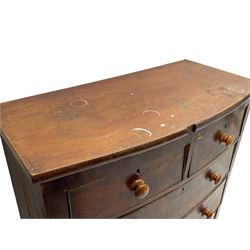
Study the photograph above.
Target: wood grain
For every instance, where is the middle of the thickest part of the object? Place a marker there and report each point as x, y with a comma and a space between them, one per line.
63, 131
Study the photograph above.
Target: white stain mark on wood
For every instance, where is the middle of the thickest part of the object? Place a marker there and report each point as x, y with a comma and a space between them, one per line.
167, 125
171, 115
143, 130
131, 93
239, 91
151, 111
78, 103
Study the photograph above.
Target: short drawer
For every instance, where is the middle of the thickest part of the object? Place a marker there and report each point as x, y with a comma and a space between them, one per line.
180, 201
213, 139
111, 193
207, 209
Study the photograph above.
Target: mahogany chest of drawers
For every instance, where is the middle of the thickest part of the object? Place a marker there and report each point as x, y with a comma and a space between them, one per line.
158, 143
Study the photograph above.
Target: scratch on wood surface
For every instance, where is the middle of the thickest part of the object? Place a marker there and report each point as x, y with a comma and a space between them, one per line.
151, 111
79, 103
144, 130
136, 134
208, 107
199, 137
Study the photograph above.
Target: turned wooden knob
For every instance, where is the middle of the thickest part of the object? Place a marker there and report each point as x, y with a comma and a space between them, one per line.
140, 188
224, 137
215, 177
206, 212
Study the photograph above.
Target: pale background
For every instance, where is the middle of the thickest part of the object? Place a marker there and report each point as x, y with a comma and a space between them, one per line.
49, 45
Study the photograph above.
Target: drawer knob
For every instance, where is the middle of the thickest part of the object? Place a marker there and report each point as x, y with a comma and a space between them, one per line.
206, 212
215, 177
224, 137
140, 188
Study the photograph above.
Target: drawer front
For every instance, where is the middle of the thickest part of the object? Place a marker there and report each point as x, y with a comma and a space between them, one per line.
159, 168
179, 202
207, 209
208, 141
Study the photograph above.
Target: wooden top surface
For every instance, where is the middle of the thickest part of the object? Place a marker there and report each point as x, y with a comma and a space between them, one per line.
62, 131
